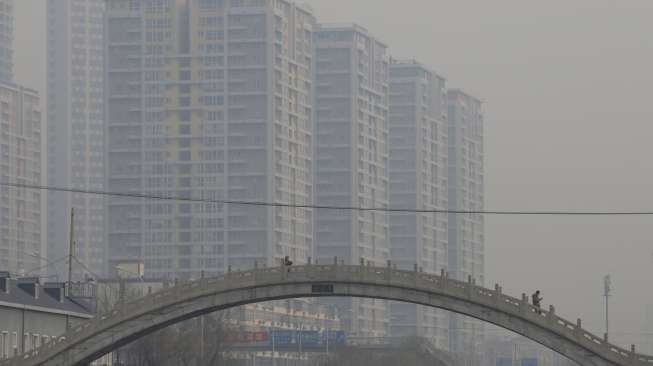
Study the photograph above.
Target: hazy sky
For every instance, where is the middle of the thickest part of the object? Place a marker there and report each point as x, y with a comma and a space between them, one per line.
567, 86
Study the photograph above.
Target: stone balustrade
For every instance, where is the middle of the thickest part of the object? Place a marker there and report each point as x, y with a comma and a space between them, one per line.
541, 325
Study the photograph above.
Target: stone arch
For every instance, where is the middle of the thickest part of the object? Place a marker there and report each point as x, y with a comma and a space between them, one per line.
102, 335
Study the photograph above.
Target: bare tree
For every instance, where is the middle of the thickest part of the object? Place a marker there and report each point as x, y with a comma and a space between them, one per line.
197, 342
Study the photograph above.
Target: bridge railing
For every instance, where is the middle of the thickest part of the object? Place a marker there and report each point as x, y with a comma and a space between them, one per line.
441, 284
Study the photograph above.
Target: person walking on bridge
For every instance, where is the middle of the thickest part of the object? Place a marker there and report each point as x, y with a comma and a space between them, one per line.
537, 301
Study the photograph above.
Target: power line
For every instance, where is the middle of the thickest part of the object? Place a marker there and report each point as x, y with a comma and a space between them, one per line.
38, 268
329, 207
49, 263
86, 268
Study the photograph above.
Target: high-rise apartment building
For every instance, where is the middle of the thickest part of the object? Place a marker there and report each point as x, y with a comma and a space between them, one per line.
418, 180
209, 100
6, 40
21, 246
466, 193
351, 155
75, 112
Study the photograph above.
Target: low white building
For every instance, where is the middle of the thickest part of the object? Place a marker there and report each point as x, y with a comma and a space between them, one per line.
32, 313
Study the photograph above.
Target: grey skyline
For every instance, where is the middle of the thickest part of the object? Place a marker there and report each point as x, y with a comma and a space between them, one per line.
566, 89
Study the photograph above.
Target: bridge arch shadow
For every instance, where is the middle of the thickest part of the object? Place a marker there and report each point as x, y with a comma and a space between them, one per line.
124, 325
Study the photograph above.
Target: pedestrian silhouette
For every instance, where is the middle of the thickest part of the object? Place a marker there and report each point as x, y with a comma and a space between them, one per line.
537, 301
287, 262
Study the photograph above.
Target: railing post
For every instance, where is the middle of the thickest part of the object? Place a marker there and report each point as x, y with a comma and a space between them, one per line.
284, 272
523, 305
388, 271
551, 315
633, 354
497, 294
443, 279
470, 287
578, 331
309, 268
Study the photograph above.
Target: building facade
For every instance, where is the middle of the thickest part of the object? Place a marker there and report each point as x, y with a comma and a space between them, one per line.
282, 317
466, 193
6, 40
21, 244
209, 100
75, 133
351, 166
418, 148
32, 314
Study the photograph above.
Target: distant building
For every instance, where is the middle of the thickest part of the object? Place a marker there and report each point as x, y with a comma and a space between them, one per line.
351, 153
32, 314
6, 40
418, 180
115, 291
296, 315
209, 100
75, 130
21, 244
466, 193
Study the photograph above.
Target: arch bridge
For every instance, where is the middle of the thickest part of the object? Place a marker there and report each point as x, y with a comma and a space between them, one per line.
125, 324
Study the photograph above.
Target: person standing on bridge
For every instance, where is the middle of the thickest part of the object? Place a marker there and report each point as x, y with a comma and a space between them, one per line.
287, 262
537, 301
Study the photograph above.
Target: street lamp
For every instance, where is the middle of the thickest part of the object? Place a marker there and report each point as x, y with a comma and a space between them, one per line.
607, 288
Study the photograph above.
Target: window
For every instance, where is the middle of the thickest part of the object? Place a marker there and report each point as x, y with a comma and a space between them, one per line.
4, 345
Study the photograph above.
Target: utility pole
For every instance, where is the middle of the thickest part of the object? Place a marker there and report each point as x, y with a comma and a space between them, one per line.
607, 283
71, 248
